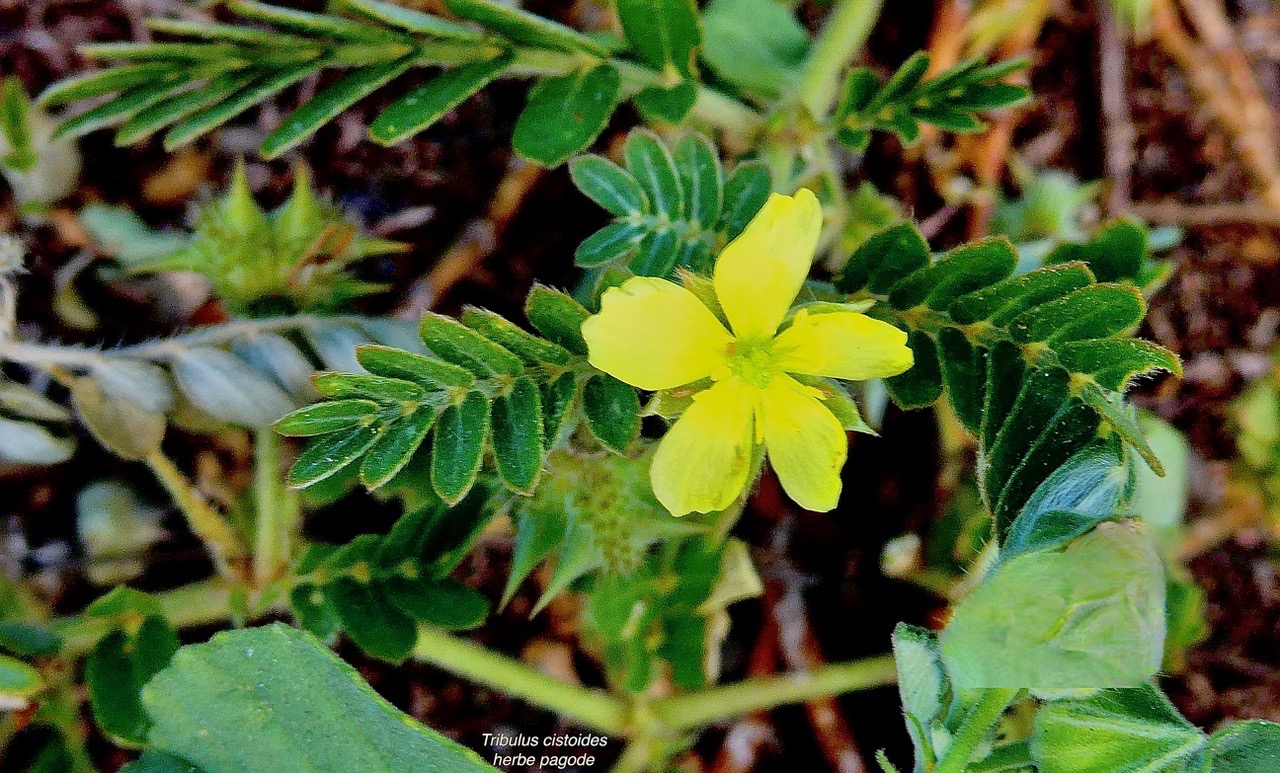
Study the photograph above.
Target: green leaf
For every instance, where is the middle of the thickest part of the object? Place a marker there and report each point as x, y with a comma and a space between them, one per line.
426, 372
1090, 488
332, 101
206, 119
649, 162
272, 692
29, 639
458, 446
958, 272
608, 185
922, 685
665, 34
1245, 747
612, 410
179, 106
327, 454
885, 259
701, 180
1113, 364
565, 113
745, 192
524, 27
324, 26
429, 102
462, 346
1117, 251
666, 105
411, 21
115, 671
102, 82
358, 386
614, 241
1089, 616
558, 317
396, 445
18, 681
756, 45
1097, 311
121, 107
326, 417
1005, 300
921, 384
528, 347
517, 435
15, 126
373, 623
1133, 729
444, 604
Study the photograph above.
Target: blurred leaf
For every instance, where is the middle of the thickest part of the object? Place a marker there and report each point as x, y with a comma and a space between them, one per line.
1089, 616
756, 45
304, 699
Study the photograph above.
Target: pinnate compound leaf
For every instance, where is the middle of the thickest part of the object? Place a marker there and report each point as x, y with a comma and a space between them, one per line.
273, 691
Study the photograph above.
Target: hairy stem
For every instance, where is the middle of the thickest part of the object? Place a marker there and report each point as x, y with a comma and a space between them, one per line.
842, 37
595, 709
224, 543
275, 509
757, 694
980, 719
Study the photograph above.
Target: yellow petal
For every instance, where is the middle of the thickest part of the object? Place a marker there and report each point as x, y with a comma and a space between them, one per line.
703, 461
842, 345
654, 334
759, 274
805, 442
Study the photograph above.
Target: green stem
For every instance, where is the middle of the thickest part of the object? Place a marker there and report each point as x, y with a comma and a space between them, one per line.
717, 703
201, 603
591, 708
224, 543
275, 509
842, 37
980, 719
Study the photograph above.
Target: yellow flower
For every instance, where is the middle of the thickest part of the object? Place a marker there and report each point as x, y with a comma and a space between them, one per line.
655, 334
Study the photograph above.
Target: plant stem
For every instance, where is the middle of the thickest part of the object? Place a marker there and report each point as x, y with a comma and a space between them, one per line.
591, 708
973, 729
275, 509
200, 603
224, 543
843, 36
751, 695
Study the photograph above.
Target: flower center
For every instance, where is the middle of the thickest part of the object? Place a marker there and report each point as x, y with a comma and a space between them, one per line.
753, 361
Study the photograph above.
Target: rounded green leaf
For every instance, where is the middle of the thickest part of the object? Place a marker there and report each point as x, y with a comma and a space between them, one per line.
612, 410
565, 113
